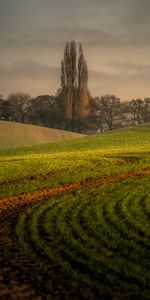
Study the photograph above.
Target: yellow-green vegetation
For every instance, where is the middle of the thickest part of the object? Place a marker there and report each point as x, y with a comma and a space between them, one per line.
75, 217
14, 134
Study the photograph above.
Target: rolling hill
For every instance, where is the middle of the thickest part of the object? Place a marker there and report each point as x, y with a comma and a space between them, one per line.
14, 134
75, 218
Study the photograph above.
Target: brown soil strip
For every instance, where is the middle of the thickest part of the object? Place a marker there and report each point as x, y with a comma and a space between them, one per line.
125, 158
119, 159
8, 203
39, 177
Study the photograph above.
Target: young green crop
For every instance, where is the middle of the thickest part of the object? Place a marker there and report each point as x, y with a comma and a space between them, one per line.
94, 238
38, 167
80, 227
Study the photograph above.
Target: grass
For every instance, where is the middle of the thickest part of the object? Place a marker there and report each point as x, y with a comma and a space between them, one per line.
31, 168
14, 135
82, 231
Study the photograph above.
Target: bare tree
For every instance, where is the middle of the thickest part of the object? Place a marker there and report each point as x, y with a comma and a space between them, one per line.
83, 92
19, 104
146, 110
74, 83
108, 110
136, 108
3, 108
43, 110
69, 77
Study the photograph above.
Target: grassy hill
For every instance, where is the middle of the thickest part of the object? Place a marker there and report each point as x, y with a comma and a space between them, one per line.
75, 218
14, 134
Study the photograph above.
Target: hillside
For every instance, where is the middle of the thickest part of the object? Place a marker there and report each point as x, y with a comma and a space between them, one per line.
14, 134
75, 218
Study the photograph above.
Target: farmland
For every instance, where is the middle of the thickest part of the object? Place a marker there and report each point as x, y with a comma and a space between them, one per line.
14, 135
75, 218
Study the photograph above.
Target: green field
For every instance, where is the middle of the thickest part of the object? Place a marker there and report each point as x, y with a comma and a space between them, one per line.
75, 218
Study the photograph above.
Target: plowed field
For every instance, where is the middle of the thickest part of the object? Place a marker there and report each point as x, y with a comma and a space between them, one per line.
77, 227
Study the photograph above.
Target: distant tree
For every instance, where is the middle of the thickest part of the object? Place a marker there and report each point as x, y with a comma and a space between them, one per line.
60, 111
43, 110
125, 107
4, 113
95, 117
19, 104
136, 109
146, 110
108, 109
74, 85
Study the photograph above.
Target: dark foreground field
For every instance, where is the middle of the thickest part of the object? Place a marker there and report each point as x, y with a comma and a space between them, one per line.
79, 226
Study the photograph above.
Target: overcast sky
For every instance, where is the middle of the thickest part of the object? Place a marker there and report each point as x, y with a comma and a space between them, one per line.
115, 35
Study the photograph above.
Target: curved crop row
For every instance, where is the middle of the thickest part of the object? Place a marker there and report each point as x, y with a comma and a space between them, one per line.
93, 243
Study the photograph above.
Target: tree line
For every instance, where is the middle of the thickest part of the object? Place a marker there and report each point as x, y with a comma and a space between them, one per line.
73, 107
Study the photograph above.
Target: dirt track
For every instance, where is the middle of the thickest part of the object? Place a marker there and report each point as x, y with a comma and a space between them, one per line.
11, 202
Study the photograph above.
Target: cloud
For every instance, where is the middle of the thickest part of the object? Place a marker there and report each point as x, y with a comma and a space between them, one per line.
124, 79
117, 70
57, 36
123, 85
42, 38
115, 37
100, 22
129, 68
134, 23
32, 69
28, 69
127, 80
29, 76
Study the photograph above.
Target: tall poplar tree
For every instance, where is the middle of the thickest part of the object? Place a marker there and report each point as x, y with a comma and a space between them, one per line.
74, 83
83, 93
69, 78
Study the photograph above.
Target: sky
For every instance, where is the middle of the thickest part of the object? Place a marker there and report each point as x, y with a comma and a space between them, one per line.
115, 35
